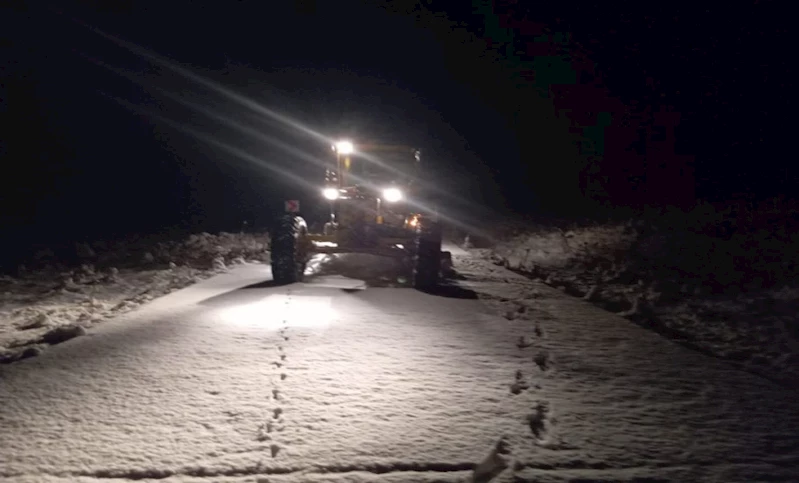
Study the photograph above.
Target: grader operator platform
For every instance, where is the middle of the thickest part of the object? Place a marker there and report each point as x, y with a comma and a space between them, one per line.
377, 206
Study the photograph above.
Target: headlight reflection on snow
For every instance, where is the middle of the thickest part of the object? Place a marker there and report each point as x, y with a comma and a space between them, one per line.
315, 263
278, 311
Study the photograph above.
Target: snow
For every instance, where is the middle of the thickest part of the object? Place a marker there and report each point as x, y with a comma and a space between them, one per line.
43, 305
666, 289
234, 379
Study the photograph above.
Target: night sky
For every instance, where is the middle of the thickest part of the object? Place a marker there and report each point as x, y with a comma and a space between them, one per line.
100, 141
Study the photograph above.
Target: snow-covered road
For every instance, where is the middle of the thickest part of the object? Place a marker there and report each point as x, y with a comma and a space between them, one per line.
234, 379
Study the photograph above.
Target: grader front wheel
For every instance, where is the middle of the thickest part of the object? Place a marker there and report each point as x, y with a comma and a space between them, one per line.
289, 249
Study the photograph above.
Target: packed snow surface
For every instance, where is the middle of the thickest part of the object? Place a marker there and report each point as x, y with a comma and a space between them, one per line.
502, 379
707, 292
49, 302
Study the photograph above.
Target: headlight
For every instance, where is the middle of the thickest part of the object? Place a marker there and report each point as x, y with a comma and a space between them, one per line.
344, 147
392, 194
330, 193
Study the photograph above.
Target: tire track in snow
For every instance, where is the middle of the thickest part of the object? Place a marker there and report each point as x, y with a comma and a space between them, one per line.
655, 472
414, 470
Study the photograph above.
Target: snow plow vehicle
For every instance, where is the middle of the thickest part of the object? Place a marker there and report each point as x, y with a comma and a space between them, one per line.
377, 206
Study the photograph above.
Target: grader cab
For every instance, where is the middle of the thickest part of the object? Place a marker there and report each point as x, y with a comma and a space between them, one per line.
377, 206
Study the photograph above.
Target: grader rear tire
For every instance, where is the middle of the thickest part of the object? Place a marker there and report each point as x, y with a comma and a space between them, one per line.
427, 266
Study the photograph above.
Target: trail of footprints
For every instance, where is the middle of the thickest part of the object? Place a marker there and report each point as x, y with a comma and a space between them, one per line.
275, 423
539, 420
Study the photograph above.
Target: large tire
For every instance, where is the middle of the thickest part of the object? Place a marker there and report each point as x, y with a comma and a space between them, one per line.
427, 263
289, 249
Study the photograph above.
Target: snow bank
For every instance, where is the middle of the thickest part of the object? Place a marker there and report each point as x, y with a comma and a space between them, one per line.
731, 296
49, 302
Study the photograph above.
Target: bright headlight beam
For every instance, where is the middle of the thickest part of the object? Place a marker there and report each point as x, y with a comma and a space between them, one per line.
207, 83
248, 103
205, 137
330, 193
344, 147
238, 98
392, 195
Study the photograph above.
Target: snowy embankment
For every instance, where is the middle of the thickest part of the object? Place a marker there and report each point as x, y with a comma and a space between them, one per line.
50, 303
734, 297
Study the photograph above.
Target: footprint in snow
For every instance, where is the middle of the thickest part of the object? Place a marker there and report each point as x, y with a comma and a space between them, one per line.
283, 377
276, 393
277, 412
232, 414
538, 331
275, 449
519, 385
538, 420
542, 360
495, 463
263, 433
519, 311
524, 342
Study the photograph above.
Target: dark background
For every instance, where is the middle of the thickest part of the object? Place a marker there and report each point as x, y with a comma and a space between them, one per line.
502, 98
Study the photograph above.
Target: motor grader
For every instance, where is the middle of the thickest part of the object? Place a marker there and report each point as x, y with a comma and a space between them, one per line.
377, 206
